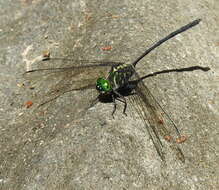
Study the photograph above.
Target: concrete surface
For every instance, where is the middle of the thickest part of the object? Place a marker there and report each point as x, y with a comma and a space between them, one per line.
59, 146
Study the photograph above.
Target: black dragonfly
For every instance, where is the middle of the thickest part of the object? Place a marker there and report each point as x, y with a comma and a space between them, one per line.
121, 80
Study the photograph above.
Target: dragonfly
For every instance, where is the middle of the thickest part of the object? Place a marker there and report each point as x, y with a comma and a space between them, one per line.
121, 79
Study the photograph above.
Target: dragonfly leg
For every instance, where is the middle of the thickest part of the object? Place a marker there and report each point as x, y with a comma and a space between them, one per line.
94, 102
123, 100
114, 103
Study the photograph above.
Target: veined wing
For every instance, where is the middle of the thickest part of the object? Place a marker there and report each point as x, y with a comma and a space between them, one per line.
156, 120
53, 80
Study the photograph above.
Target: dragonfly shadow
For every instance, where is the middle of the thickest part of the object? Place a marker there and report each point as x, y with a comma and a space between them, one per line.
128, 89
124, 91
187, 69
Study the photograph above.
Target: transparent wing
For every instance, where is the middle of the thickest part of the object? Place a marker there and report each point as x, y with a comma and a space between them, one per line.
52, 79
156, 120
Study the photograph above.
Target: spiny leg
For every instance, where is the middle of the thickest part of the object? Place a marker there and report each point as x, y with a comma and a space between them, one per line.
114, 107
94, 102
125, 105
123, 100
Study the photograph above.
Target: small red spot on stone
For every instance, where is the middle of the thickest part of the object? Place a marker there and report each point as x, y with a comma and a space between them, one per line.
181, 139
87, 17
107, 48
168, 138
46, 55
28, 104
160, 121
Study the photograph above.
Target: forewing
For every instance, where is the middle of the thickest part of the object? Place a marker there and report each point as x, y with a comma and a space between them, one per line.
51, 81
156, 120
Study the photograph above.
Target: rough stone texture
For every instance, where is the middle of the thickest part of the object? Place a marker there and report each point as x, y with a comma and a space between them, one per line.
60, 147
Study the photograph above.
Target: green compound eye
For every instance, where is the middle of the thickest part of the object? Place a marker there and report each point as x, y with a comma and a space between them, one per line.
103, 85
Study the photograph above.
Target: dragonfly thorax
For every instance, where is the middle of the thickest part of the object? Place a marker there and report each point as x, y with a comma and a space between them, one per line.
103, 85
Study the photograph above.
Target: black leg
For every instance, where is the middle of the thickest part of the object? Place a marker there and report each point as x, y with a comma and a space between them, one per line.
125, 107
123, 100
94, 102
114, 103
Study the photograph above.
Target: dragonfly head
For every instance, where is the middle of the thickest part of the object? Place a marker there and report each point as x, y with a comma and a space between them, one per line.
103, 85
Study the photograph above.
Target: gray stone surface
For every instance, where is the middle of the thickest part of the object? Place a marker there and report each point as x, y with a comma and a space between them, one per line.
59, 146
